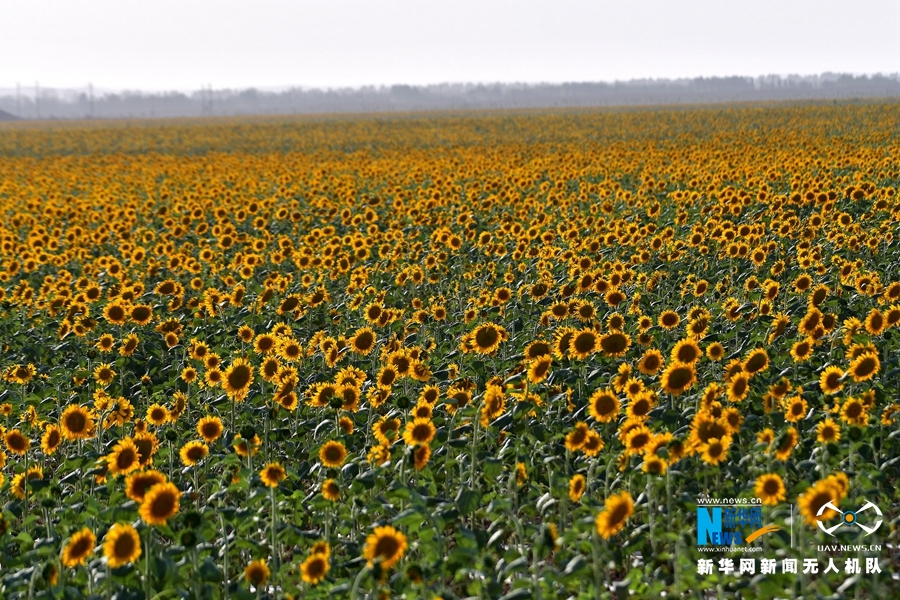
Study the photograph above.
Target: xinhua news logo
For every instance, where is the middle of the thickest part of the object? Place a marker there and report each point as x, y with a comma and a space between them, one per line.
730, 525
851, 518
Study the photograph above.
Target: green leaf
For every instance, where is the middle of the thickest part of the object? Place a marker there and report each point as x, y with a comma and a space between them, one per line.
209, 571
468, 501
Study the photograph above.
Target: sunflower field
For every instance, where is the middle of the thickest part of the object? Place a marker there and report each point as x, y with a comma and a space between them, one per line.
499, 355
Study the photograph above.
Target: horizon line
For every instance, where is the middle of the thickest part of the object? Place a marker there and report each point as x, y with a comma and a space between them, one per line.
37, 86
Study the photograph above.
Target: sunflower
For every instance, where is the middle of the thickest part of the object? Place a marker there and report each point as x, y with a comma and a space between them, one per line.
636, 440
486, 338
189, 374
457, 398
16, 442
865, 367
332, 454
875, 322
802, 350
615, 297
715, 450
137, 484
562, 341
830, 380
421, 456
321, 548
651, 362
386, 430
320, 394
669, 319
214, 378
124, 457
386, 545
814, 498
289, 349
115, 312
387, 376
245, 334
593, 444
104, 374
575, 439
314, 569
854, 413
583, 343
51, 439
603, 405
79, 547
677, 378
346, 423
686, 351
654, 465
785, 444
419, 432
363, 341
765, 436
122, 545
379, 454
157, 414
794, 409
272, 474
738, 387
264, 343
331, 490
430, 394
257, 573
715, 352
576, 487
141, 314
147, 444
613, 344
756, 362
212, 361
538, 369
210, 428
179, 405
616, 511
494, 404
770, 489
160, 503
857, 350
171, 339
129, 344
238, 377
537, 349
641, 405
193, 452
105, 343
17, 486
828, 431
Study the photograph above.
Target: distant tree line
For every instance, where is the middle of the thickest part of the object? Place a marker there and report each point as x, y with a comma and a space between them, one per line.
51, 103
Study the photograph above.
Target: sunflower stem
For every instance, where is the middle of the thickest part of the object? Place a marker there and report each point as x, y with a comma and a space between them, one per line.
595, 561
275, 557
147, 549
354, 591
225, 556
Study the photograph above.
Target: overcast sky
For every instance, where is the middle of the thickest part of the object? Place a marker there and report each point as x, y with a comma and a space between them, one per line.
183, 44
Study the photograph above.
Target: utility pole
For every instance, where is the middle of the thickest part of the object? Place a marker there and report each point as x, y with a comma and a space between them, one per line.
37, 100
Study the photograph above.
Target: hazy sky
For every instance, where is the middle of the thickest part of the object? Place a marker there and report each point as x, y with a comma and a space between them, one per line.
183, 44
